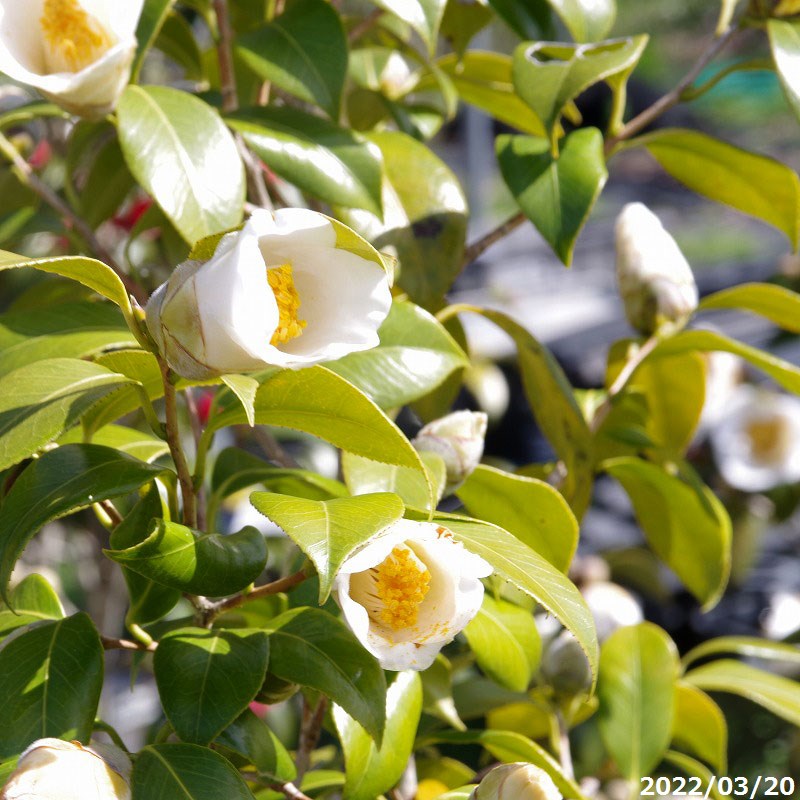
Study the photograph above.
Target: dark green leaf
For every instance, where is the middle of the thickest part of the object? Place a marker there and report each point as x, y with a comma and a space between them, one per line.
176, 39
587, 20
461, 21
529, 19
107, 184
154, 12
250, 737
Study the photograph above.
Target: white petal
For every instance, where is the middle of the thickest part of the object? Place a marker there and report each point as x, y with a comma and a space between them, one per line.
381, 545
20, 37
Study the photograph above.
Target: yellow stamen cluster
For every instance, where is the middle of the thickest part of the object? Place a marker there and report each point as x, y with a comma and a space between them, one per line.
282, 285
75, 36
769, 439
401, 584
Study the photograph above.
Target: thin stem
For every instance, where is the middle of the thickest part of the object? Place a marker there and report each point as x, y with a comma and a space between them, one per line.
310, 731
281, 585
564, 750
291, 791
272, 449
174, 442
111, 512
27, 176
227, 74
365, 25
198, 479
111, 732
474, 251
110, 643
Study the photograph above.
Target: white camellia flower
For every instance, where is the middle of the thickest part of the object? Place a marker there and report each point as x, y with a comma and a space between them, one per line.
655, 280
51, 769
518, 781
291, 289
78, 53
409, 591
757, 444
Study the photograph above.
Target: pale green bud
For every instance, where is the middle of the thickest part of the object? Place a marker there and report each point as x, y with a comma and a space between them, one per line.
517, 782
565, 666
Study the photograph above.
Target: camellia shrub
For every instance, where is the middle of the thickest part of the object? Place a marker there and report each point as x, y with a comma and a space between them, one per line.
252, 236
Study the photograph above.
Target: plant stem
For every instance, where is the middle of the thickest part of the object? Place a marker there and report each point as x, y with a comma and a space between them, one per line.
474, 251
310, 730
174, 442
365, 25
23, 170
281, 585
227, 74
110, 643
564, 751
272, 449
291, 791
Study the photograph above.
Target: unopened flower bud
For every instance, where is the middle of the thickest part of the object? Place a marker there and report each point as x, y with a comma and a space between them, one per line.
655, 280
458, 438
517, 782
565, 666
51, 769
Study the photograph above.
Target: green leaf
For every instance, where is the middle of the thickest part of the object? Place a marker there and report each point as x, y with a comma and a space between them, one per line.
318, 156
638, 670
437, 693
753, 184
176, 39
154, 13
586, 20
206, 679
185, 772
250, 737
303, 51
699, 726
107, 184
58, 483
547, 75
506, 643
424, 218
775, 303
685, 524
556, 193
529, 19
745, 646
371, 770
50, 682
415, 355
784, 39
531, 509
693, 768
138, 444
779, 695
424, 16
515, 562
462, 21
245, 388
149, 601
166, 136
310, 647
364, 477
33, 600
208, 564
329, 531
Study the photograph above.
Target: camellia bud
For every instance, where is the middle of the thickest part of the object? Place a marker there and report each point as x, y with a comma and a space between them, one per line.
565, 666
51, 769
458, 438
517, 782
655, 280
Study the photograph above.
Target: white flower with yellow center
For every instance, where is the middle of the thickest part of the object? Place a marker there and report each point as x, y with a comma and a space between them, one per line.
291, 289
78, 53
51, 769
409, 591
757, 444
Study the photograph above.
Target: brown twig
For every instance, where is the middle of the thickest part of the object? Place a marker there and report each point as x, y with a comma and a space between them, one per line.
310, 730
272, 448
291, 791
110, 643
213, 610
476, 249
365, 25
111, 511
227, 74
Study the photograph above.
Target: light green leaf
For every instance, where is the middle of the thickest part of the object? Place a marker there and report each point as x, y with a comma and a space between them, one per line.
437, 693
746, 647
370, 769
166, 136
208, 564
58, 483
547, 75
638, 670
318, 156
138, 444
245, 388
462, 21
424, 16
154, 13
587, 20
506, 643
775, 303
684, 523
50, 682
310, 647
251, 737
779, 695
784, 39
206, 679
185, 772
695, 769
329, 531
415, 355
33, 600
556, 194
424, 218
699, 726
753, 184
531, 509
303, 51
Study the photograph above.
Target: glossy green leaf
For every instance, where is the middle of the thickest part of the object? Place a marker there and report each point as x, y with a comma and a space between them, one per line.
310, 647
166, 136
699, 727
745, 646
506, 643
415, 355
363, 476
329, 531
251, 737
529, 19
206, 679
587, 20
371, 770
245, 388
777, 694
751, 183
685, 524
638, 670
50, 682
424, 218
328, 161
149, 601
138, 444
303, 51
208, 564
531, 509
556, 194
775, 303
784, 39
424, 16
154, 13
437, 693
60, 482
33, 600
185, 772
547, 75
